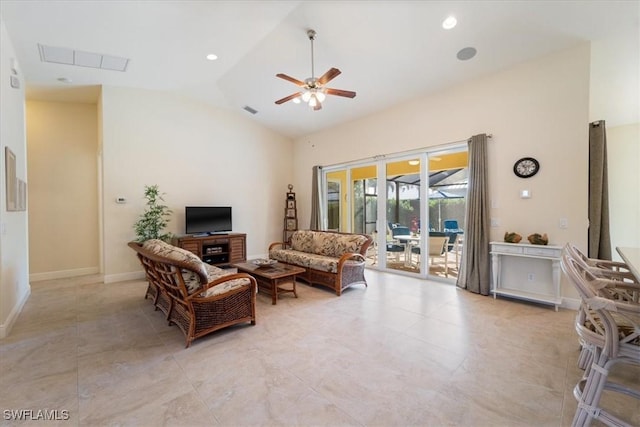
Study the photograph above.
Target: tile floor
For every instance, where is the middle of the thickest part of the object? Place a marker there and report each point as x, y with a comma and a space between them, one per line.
402, 352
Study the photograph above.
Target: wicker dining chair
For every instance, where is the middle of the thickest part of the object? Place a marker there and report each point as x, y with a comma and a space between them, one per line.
611, 331
615, 270
627, 288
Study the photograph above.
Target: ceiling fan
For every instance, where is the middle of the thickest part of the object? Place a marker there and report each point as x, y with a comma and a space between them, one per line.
313, 89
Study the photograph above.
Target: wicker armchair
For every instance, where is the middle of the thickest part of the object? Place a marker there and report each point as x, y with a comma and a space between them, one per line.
610, 330
195, 296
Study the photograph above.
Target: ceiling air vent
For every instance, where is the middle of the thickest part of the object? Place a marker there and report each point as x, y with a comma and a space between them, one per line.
63, 55
249, 109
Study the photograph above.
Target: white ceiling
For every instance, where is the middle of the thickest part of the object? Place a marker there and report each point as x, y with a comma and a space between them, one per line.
388, 51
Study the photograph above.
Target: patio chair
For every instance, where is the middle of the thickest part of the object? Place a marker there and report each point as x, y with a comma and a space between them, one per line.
437, 248
451, 226
395, 246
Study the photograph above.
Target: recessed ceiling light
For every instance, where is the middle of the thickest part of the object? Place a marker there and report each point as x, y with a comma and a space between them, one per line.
466, 53
212, 57
449, 23
65, 80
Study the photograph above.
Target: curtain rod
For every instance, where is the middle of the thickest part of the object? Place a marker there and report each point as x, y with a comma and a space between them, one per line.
415, 150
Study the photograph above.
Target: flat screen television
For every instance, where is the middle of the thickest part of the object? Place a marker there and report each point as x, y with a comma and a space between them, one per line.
207, 219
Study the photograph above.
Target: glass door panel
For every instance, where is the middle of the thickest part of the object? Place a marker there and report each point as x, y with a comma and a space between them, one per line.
364, 207
403, 215
448, 182
335, 197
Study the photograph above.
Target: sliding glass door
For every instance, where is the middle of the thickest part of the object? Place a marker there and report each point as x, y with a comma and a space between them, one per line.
417, 223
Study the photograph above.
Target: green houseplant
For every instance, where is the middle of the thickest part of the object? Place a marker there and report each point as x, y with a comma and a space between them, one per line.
155, 218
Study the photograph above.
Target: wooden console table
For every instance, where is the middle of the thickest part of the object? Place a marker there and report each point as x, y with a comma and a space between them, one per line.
217, 249
524, 271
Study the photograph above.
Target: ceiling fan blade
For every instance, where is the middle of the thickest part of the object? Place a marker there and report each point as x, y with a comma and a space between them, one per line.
340, 92
291, 79
328, 76
288, 98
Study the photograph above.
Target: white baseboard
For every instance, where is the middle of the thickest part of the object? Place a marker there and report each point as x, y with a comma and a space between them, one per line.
123, 277
63, 274
5, 328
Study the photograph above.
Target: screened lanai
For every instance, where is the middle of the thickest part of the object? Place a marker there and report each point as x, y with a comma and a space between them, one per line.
353, 205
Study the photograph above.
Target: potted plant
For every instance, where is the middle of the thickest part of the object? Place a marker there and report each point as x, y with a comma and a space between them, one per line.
155, 218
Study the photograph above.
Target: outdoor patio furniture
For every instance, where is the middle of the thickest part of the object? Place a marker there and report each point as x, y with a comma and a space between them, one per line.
437, 249
398, 245
397, 249
452, 243
451, 226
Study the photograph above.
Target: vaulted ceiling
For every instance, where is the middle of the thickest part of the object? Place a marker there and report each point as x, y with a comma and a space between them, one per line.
388, 51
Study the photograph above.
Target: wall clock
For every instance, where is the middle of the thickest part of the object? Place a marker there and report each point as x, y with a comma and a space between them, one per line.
526, 167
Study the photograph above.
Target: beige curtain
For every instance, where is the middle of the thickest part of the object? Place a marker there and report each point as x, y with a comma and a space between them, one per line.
474, 273
316, 201
599, 236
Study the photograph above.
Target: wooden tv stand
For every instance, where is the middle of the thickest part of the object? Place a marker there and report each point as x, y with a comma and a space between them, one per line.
216, 249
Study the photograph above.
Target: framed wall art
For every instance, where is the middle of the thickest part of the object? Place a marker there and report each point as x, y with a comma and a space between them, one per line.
291, 224
21, 201
10, 179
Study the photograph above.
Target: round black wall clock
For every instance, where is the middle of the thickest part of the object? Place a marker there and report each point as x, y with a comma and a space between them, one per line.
526, 167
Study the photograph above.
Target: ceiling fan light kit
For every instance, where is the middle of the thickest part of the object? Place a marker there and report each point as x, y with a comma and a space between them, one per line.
313, 89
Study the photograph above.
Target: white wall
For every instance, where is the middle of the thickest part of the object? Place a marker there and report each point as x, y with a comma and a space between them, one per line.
14, 257
623, 156
62, 145
197, 155
539, 109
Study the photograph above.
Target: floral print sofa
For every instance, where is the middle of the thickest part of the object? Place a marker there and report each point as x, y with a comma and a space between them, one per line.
332, 259
197, 297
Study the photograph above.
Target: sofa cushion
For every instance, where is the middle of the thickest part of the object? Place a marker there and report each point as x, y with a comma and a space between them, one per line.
348, 243
302, 240
323, 263
192, 281
290, 256
324, 243
327, 243
166, 250
214, 273
307, 260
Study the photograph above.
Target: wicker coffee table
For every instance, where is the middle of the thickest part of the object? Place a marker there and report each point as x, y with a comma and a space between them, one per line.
270, 277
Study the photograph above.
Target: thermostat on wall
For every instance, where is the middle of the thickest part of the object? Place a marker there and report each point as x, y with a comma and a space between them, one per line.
15, 82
